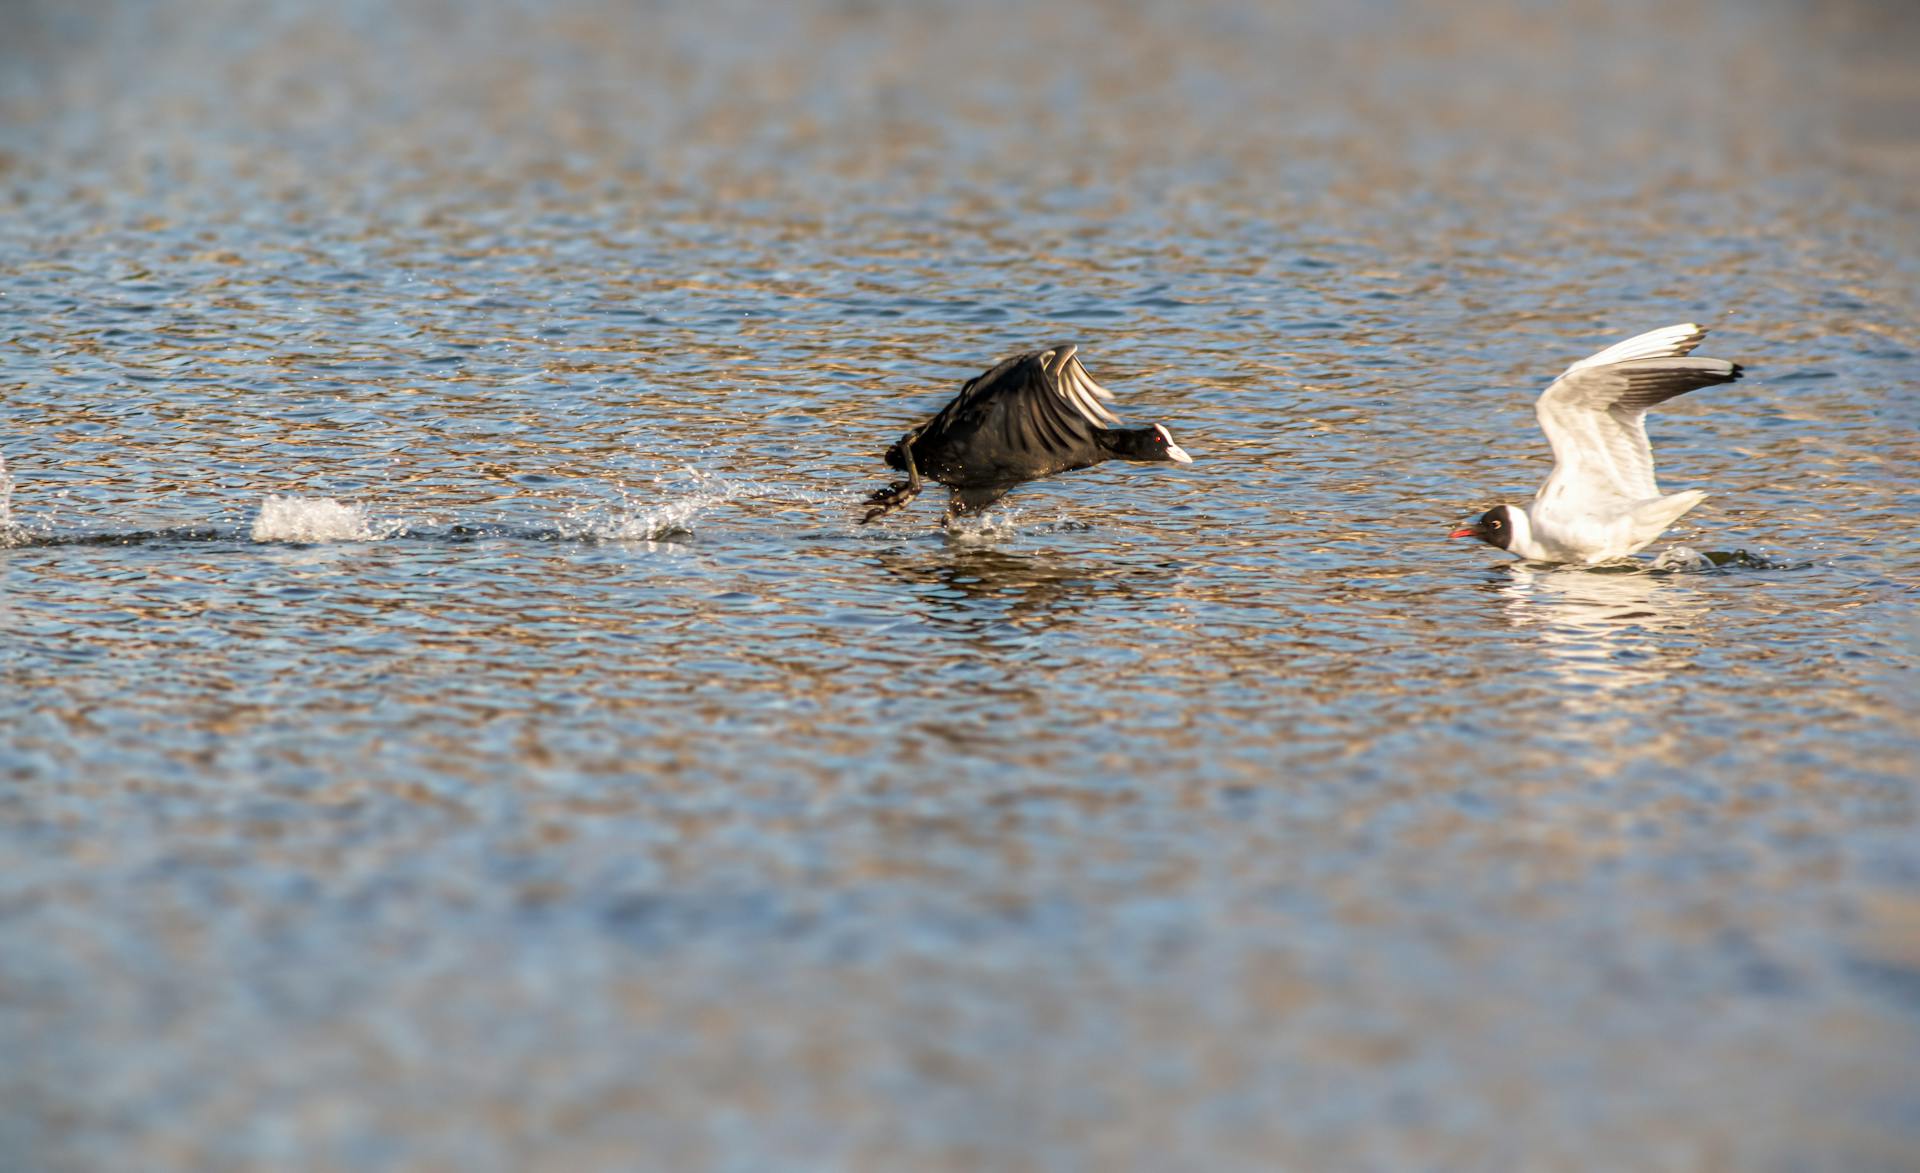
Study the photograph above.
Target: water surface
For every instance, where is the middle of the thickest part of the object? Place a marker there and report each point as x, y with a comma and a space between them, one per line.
453, 718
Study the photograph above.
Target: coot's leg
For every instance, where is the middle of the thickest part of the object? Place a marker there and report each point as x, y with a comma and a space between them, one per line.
898, 493
889, 499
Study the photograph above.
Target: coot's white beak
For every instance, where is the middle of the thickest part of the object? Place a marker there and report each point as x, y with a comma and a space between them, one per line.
1174, 451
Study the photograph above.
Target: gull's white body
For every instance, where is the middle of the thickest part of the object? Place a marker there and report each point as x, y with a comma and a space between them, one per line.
1601, 501
1583, 537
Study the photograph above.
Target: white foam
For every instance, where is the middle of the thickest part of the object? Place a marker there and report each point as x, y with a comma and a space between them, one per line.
6, 500
317, 519
1681, 559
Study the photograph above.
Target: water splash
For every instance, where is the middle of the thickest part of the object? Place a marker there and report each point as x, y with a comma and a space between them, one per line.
6, 504
658, 523
318, 519
1006, 523
674, 517
1687, 560
986, 529
1681, 559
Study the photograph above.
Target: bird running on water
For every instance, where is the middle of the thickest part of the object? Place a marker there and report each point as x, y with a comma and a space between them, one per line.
1027, 417
1601, 502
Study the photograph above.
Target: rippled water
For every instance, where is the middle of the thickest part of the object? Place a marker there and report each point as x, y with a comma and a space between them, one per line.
454, 720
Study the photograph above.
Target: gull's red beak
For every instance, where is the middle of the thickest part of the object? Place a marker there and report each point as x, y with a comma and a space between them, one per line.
1465, 531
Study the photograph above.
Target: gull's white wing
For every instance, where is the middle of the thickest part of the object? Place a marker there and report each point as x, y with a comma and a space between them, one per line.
1594, 415
1666, 342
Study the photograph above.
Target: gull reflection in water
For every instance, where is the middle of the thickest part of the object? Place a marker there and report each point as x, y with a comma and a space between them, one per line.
1603, 631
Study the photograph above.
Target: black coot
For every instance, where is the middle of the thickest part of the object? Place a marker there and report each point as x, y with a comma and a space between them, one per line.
1028, 417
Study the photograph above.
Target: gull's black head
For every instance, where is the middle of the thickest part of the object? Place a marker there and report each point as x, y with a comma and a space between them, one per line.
1495, 527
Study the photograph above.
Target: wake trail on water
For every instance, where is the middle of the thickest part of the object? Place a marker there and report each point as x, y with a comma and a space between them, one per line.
312, 520
638, 520
1687, 560
668, 514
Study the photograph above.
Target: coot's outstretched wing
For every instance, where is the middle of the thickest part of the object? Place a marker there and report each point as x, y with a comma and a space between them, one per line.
1035, 409
1594, 415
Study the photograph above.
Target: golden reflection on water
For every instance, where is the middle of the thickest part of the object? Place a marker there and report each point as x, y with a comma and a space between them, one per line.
627, 797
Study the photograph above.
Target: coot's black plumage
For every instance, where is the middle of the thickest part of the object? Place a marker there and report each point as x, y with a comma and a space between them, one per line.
1027, 417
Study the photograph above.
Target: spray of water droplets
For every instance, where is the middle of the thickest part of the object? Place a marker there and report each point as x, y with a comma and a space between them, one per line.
319, 519
6, 503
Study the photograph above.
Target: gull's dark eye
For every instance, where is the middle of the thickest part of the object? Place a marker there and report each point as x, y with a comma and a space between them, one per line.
1496, 523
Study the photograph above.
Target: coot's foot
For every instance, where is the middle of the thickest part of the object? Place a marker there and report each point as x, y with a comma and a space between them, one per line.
890, 498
